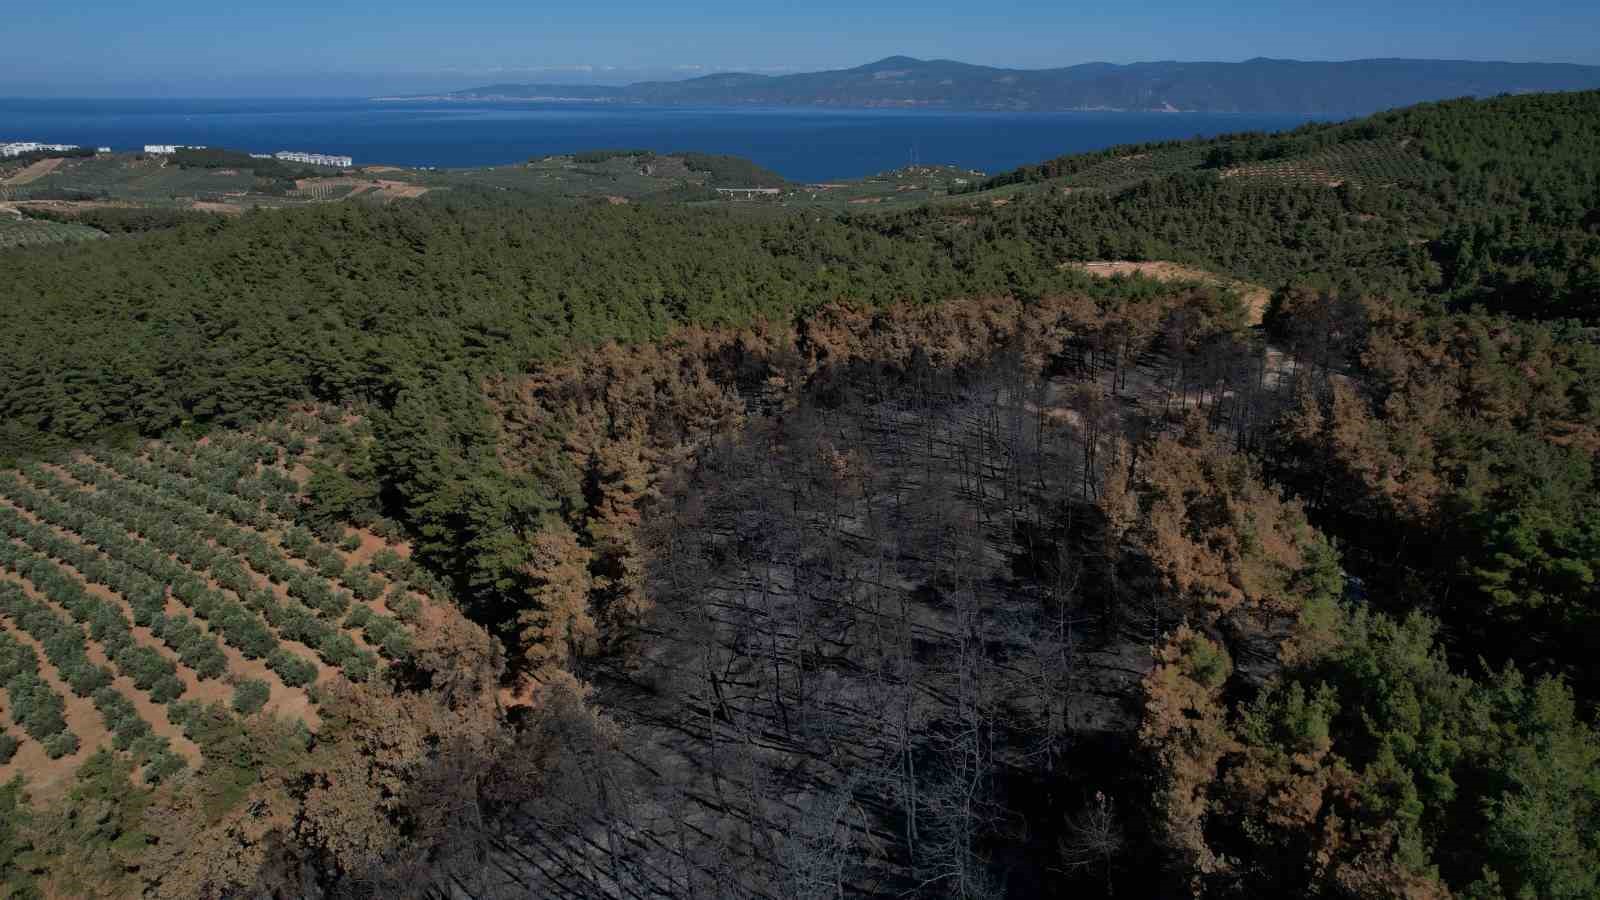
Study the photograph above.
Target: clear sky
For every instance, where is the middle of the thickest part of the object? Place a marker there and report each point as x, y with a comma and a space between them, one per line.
298, 48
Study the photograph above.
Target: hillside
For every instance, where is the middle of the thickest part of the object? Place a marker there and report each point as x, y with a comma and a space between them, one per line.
1482, 204
1212, 517
1354, 87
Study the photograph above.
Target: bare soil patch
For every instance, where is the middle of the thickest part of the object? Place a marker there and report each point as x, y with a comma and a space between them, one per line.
400, 190
301, 184
71, 206
370, 545
211, 206
1255, 296
362, 555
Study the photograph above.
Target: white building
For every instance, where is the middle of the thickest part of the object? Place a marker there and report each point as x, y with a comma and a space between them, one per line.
314, 159
167, 149
17, 148
750, 193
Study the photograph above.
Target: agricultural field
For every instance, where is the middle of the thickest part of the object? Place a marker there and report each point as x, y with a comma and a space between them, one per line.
135, 179
129, 177
1358, 163
1361, 163
154, 601
561, 177
617, 179
1120, 172
896, 189
665, 178
16, 231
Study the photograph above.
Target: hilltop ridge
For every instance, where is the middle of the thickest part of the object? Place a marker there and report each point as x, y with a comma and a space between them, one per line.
1260, 84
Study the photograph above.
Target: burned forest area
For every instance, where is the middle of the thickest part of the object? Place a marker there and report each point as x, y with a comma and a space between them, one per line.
896, 638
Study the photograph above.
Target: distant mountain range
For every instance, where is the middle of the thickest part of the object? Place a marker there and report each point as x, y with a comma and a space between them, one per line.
1258, 85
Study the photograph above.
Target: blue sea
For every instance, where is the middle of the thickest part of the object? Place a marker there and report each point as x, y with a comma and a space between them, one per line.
805, 144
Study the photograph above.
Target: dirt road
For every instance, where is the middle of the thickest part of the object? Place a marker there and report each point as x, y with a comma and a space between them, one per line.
36, 171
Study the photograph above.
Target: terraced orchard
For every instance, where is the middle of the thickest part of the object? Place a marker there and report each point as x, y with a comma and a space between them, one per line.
20, 232
1117, 172
1361, 163
150, 599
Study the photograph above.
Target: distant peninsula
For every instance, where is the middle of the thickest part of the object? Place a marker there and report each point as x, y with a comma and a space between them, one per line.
1260, 85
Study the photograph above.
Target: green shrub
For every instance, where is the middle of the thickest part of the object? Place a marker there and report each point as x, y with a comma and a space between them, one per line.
330, 566
396, 643
64, 743
388, 562
132, 731
405, 607
361, 582
168, 689
162, 766
336, 647
250, 695
359, 666
359, 617
294, 670
297, 541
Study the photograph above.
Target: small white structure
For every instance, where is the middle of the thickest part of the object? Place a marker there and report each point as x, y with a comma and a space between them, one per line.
102, 149
314, 159
168, 149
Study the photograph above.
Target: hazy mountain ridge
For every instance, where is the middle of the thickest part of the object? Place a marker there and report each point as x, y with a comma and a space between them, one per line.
1256, 85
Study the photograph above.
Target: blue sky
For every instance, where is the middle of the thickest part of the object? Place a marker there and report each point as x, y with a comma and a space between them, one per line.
298, 48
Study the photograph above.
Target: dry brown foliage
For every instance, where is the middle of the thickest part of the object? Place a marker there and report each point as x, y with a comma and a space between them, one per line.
557, 625
1185, 731
1218, 537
